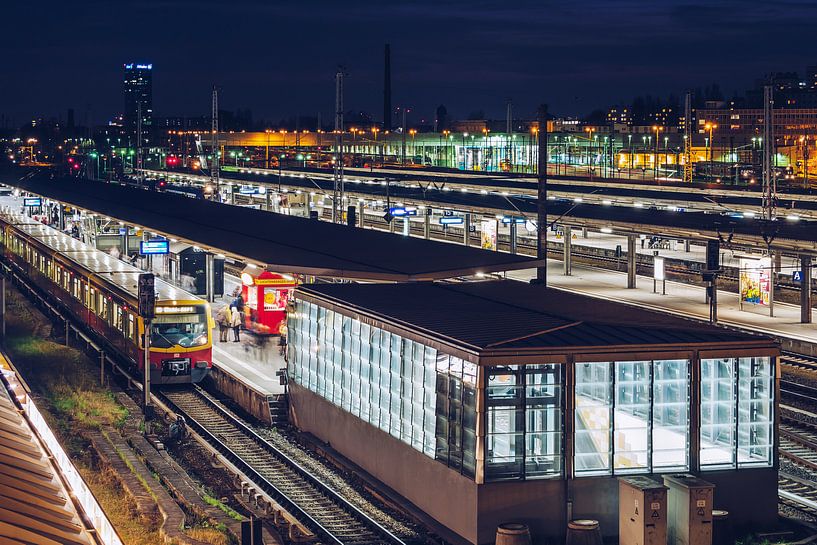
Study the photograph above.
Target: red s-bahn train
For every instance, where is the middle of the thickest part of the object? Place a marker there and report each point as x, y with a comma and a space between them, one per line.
100, 292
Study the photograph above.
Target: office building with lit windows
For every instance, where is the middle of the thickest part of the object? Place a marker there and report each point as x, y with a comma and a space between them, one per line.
138, 86
489, 402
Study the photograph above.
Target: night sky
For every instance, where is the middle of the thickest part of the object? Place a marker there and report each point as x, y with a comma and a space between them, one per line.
278, 58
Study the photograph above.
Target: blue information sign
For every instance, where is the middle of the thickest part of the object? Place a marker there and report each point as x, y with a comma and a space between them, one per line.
512, 219
797, 276
452, 220
154, 247
399, 211
32, 201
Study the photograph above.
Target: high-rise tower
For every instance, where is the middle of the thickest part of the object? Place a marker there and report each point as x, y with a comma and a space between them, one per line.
138, 85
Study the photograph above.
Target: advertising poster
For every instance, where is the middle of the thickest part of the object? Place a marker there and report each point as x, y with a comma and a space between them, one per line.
488, 230
755, 281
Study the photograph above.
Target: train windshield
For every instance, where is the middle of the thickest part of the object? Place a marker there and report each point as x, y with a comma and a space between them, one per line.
185, 330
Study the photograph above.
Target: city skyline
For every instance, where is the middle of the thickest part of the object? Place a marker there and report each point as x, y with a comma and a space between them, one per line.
443, 54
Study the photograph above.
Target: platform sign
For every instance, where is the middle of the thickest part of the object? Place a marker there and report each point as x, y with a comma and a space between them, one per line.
399, 211
755, 281
452, 220
658, 268
32, 201
513, 219
488, 235
154, 247
797, 276
147, 296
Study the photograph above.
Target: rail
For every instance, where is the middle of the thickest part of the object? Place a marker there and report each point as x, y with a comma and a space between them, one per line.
380, 534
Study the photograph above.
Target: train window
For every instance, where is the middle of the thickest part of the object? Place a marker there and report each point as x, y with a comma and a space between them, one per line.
117, 314
90, 298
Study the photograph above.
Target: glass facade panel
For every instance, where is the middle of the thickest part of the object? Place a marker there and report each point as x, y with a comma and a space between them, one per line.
634, 413
593, 418
631, 431
755, 412
737, 412
670, 417
524, 422
718, 414
410, 391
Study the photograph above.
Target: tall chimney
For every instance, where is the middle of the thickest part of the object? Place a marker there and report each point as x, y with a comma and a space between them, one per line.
387, 89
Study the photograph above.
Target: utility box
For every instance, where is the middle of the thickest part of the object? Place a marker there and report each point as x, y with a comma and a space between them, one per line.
689, 503
642, 511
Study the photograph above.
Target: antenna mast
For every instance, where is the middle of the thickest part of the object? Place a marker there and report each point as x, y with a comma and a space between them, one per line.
338, 192
688, 168
215, 165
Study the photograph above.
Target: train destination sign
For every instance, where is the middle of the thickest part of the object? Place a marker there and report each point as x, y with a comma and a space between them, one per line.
32, 201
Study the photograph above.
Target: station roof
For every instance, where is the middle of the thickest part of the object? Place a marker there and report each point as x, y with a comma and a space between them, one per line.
279, 242
512, 317
34, 505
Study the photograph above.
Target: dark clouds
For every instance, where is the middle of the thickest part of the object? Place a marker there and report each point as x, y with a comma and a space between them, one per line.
278, 57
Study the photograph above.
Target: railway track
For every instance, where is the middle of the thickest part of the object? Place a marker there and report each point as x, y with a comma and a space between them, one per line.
334, 518
797, 478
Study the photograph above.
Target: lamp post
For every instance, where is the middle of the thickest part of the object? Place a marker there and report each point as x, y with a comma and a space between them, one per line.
657, 130
630, 150
589, 131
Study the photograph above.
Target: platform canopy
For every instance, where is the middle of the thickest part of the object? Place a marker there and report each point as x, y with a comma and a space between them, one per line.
275, 241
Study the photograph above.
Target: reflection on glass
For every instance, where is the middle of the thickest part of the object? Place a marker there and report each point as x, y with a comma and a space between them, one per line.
755, 412
407, 389
670, 433
593, 414
718, 412
632, 415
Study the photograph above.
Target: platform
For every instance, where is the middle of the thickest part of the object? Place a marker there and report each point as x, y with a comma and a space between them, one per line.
681, 299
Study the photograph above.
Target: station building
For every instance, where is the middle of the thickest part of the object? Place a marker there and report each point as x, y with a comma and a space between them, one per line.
490, 402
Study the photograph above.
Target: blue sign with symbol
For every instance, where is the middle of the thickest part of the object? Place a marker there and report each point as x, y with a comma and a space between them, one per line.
797, 276
123, 230
400, 211
154, 247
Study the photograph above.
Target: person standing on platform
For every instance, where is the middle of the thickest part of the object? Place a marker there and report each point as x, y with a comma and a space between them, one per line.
282, 340
235, 323
223, 321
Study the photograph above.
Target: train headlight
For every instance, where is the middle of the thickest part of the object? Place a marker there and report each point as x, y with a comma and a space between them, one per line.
201, 340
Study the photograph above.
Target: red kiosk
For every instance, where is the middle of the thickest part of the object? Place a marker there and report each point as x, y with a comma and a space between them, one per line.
266, 294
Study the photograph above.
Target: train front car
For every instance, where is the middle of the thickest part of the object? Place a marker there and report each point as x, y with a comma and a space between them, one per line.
181, 341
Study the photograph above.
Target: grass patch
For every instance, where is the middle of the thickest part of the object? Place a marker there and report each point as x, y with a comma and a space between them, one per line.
230, 512
62, 375
213, 536
120, 509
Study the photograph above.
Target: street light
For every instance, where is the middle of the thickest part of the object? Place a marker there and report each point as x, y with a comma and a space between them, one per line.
710, 127
657, 130
589, 131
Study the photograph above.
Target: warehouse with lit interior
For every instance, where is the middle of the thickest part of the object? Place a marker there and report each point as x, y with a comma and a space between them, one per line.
492, 402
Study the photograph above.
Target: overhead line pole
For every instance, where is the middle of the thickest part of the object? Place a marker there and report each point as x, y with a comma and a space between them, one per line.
542, 196
337, 194
215, 166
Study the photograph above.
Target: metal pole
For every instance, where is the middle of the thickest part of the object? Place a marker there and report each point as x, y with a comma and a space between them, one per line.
466, 230
542, 196
805, 289
210, 276
102, 367
337, 194
215, 165
631, 262
146, 374
769, 189
512, 227
567, 249
427, 224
